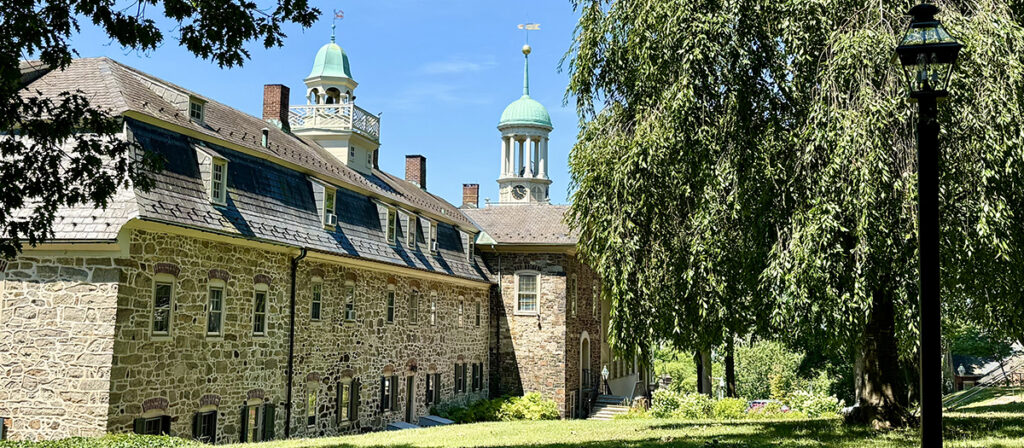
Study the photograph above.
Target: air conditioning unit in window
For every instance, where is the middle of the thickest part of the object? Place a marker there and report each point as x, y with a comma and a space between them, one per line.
433, 247
332, 219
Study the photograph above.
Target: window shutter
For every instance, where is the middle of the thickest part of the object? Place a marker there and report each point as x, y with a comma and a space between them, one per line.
337, 402
195, 425
394, 392
353, 413
140, 425
244, 425
165, 425
268, 422
437, 388
213, 434
383, 394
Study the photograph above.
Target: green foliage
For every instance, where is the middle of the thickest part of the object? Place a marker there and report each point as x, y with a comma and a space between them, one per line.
765, 369
531, 406
109, 441
970, 340
815, 404
58, 150
729, 409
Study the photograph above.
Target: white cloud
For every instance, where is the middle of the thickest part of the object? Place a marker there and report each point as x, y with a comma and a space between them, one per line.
457, 66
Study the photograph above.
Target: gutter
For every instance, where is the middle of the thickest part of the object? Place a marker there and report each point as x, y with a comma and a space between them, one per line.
291, 347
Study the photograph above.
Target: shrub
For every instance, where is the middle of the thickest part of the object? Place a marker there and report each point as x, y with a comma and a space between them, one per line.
815, 404
694, 406
528, 407
729, 409
478, 411
664, 403
108, 441
765, 367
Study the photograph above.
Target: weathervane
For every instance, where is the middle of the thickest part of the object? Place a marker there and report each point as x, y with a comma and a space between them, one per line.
338, 14
527, 27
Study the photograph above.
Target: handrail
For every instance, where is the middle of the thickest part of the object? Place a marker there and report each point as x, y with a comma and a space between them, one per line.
996, 379
343, 116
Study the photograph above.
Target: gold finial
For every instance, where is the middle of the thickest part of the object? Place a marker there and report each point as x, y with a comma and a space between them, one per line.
526, 49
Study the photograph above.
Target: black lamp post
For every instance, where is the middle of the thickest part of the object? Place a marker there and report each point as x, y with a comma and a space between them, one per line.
928, 53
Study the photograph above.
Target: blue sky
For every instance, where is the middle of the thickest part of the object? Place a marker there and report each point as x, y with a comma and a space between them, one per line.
440, 72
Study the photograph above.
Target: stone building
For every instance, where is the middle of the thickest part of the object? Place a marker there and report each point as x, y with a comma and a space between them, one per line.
276, 283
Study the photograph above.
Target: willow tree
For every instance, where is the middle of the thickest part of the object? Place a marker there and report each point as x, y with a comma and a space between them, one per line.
778, 133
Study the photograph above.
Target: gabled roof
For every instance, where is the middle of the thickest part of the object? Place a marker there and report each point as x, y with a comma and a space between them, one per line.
525, 224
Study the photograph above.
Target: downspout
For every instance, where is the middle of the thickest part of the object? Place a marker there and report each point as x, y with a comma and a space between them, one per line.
291, 348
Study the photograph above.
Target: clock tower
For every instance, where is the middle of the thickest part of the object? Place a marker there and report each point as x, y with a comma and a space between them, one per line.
525, 125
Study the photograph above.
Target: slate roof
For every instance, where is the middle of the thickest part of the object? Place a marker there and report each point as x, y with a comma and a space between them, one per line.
267, 200
524, 224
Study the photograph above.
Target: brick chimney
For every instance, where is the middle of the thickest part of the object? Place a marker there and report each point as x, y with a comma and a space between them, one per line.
470, 195
275, 104
416, 170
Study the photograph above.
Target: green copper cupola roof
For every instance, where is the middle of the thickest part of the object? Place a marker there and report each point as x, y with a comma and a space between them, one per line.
525, 110
331, 61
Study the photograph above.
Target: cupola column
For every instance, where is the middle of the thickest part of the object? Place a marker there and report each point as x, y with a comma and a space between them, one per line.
544, 157
529, 156
504, 156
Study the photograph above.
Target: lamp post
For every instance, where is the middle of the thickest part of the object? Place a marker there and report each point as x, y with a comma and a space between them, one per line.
928, 53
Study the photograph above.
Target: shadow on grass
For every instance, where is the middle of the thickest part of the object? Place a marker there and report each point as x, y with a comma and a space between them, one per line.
1015, 394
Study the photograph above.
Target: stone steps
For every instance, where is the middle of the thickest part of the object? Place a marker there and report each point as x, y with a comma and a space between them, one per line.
607, 407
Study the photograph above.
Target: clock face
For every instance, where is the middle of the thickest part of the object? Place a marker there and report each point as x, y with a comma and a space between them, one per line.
519, 192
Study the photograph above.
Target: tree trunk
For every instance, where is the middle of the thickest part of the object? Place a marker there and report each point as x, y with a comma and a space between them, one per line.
730, 368
881, 390
705, 377
700, 371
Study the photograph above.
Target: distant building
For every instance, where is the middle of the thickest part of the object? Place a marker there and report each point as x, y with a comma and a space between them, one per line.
276, 283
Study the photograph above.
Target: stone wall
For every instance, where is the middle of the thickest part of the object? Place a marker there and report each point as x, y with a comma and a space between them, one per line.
189, 369
529, 351
56, 342
583, 321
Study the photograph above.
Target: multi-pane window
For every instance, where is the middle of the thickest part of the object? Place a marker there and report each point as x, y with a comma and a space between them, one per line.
572, 293
344, 401
388, 393
317, 301
433, 237
153, 426
430, 389
162, 307
390, 306
462, 305
469, 251
392, 225
433, 310
195, 110
259, 312
311, 406
527, 299
478, 314
330, 219
410, 238
257, 422
478, 376
414, 306
204, 427
215, 311
460, 379
219, 181
350, 302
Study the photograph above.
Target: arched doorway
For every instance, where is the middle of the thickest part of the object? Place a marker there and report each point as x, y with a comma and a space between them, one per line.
586, 374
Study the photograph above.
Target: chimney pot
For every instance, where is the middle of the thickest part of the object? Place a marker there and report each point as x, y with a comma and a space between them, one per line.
275, 105
470, 195
416, 170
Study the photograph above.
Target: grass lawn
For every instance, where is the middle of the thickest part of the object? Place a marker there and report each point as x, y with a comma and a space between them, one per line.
962, 430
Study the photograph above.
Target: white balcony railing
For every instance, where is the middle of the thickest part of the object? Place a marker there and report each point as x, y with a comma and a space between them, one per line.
345, 117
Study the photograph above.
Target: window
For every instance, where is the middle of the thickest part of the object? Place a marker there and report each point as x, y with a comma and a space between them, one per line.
311, 405
595, 302
469, 251
572, 294
414, 306
257, 422
390, 298
433, 309
314, 306
411, 237
478, 314
153, 426
162, 307
527, 293
478, 376
460, 380
196, 110
204, 426
215, 310
348, 401
388, 393
219, 181
330, 219
350, 301
461, 307
259, 311
433, 237
431, 385
369, 159
392, 225
344, 401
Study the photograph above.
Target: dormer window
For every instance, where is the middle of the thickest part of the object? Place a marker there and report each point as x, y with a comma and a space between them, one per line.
411, 237
330, 219
433, 237
219, 181
196, 109
469, 251
392, 225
